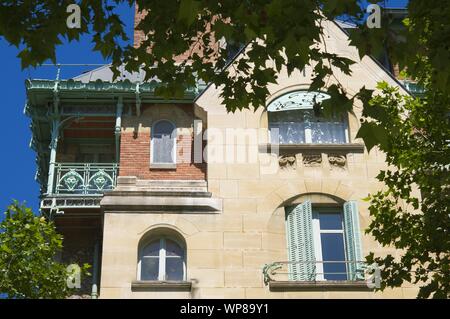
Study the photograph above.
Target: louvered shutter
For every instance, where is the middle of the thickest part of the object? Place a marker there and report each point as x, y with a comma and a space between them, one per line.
353, 241
300, 242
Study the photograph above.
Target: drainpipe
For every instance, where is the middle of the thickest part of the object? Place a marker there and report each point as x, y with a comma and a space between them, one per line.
118, 126
53, 147
54, 141
138, 100
94, 293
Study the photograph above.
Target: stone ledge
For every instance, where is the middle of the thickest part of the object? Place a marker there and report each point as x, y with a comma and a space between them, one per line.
163, 192
345, 148
329, 285
133, 203
143, 285
163, 166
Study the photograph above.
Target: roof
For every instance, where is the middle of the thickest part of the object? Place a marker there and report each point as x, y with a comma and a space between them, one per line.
105, 74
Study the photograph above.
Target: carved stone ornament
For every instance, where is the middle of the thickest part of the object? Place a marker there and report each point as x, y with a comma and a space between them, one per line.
287, 161
312, 159
337, 160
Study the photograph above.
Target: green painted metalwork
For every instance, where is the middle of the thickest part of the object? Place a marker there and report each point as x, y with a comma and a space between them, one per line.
50, 100
282, 270
84, 179
269, 270
70, 201
143, 90
414, 88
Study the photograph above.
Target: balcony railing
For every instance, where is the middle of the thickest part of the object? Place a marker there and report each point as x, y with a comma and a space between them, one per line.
315, 271
84, 179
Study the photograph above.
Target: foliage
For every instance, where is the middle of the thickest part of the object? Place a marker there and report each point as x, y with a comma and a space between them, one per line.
28, 245
204, 32
412, 213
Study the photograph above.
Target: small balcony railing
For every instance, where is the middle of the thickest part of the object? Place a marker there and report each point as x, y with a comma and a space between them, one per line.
84, 179
315, 271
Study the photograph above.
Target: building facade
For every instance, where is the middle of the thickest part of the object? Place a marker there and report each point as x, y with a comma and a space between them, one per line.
180, 199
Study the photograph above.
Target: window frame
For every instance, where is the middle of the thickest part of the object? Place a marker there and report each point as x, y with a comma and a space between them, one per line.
173, 136
317, 238
161, 258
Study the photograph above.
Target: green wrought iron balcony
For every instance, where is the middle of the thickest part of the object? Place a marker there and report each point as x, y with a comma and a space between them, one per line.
84, 178
315, 271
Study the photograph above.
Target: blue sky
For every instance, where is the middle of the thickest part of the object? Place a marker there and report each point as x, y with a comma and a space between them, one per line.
17, 163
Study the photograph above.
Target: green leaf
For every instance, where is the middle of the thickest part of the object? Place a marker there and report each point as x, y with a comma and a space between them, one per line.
373, 135
188, 11
6, 249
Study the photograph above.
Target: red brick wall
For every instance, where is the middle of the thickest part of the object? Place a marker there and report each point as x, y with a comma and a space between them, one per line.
196, 48
135, 159
138, 35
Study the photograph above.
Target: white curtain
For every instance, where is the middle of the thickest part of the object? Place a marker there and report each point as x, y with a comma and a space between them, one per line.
301, 126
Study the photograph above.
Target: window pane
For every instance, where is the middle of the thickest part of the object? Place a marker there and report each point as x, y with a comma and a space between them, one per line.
163, 146
333, 250
330, 221
151, 249
173, 249
327, 132
149, 268
163, 127
292, 126
174, 268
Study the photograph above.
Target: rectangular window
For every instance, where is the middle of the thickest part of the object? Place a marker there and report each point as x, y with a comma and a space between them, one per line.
163, 143
329, 244
163, 149
324, 242
302, 126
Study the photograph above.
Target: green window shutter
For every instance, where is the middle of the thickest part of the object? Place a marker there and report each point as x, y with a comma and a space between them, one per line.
300, 242
353, 241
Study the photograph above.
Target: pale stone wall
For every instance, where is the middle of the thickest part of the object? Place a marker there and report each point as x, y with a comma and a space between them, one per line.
227, 251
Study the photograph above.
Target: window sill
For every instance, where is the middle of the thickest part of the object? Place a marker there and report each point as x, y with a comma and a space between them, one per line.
335, 285
163, 166
347, 148
144, 285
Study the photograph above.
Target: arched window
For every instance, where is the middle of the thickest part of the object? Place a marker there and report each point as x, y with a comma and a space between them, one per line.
163, 145
292, 121
162, 258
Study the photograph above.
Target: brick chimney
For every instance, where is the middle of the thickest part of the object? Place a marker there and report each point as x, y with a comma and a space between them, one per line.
138, 35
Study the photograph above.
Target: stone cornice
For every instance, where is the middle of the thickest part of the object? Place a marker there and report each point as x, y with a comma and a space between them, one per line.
345, 148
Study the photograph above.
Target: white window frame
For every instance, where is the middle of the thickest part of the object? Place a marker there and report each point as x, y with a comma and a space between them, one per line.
317, 232
173, 137
161, 257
